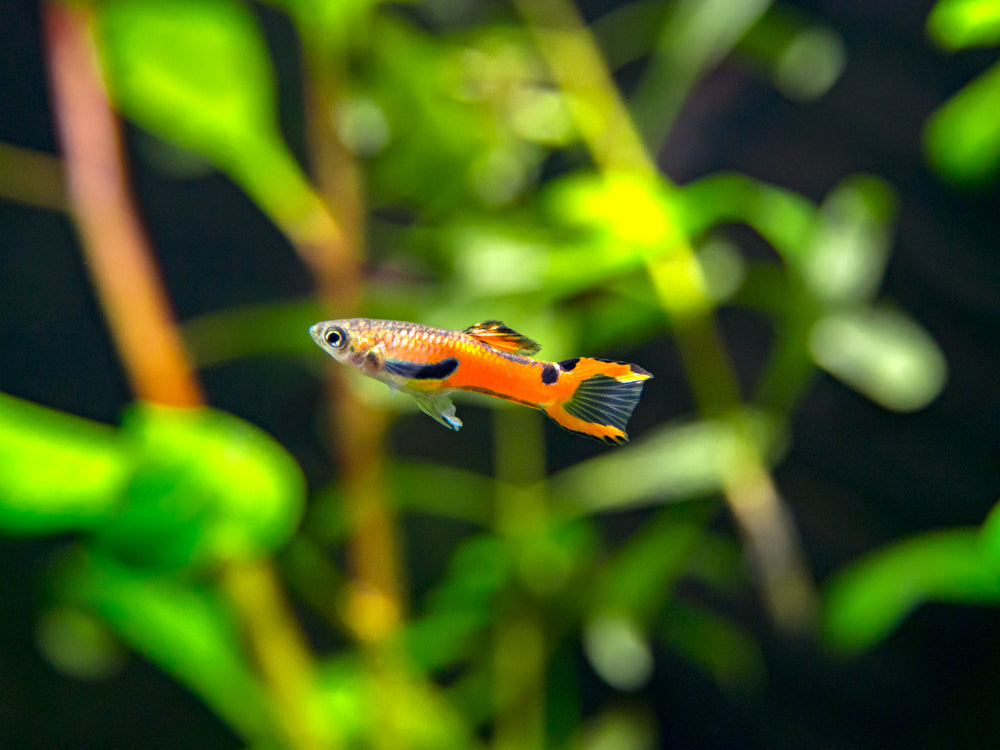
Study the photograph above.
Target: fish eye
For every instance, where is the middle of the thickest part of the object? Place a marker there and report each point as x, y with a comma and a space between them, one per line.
336, 337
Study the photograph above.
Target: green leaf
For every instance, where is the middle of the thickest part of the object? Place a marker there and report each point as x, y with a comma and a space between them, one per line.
881, 353
671, 464
57, 472
869, 599
783, 218
197, 74
642, 572
962, 138
444, 491
184, 630
726, 652
848, 252
619, 650
207, 487
991, 533
235, 333
955, 24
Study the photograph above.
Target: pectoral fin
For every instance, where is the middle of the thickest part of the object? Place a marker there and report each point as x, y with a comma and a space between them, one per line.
440, 407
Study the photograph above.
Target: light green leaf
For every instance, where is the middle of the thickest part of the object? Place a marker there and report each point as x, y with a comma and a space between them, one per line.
881, 353
847, 254
671, 464
955, 24
783, 218
619, 650
57, 472
991, 533
234, 333
207, 487
962, 138
865, 602
197, 73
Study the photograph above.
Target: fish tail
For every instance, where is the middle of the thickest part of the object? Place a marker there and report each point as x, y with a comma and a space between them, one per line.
601, 403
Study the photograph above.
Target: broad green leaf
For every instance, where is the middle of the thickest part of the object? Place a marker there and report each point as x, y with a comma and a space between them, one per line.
869, 599
955, 24
962, 138
197, 73
881, 353
207, 487
57, 472
184, 630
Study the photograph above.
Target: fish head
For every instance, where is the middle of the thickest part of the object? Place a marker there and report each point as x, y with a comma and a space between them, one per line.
349, 341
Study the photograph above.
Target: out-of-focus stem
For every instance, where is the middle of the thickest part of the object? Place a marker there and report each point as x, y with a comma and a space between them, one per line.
31, 177
519, 652
615, 145
114, 244
145, 332
374, 599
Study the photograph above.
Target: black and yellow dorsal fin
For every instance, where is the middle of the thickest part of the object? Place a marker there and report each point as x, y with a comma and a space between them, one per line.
499, 336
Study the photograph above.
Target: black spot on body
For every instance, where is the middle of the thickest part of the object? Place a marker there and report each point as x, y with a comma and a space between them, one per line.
569, 364
550, 374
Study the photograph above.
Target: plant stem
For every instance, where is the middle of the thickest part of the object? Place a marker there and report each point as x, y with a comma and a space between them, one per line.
615, 145
519, 652
375, 607
145, 332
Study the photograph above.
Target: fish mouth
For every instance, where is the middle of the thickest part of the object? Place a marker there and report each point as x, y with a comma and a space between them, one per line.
316, 331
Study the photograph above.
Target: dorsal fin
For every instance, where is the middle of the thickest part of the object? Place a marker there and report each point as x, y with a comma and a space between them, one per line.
499, 336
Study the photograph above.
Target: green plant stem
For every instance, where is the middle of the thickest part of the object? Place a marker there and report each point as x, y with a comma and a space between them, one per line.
375, 605
519, 653
615, 145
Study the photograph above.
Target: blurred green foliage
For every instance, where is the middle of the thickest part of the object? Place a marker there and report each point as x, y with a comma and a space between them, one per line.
453, 129
963, 137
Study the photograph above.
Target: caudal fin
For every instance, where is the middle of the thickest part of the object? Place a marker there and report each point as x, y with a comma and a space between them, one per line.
604, 398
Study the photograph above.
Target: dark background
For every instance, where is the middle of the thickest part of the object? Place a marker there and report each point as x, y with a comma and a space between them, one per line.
856, 478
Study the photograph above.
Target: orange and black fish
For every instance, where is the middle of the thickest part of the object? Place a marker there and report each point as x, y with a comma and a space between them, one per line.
594, 397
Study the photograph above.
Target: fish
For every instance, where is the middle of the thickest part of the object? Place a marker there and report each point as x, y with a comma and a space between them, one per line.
585, 395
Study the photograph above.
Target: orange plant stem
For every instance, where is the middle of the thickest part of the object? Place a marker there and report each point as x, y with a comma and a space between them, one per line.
115, 247
145, 332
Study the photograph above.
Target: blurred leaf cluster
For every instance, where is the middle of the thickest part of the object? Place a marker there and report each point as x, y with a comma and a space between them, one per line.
484, 198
